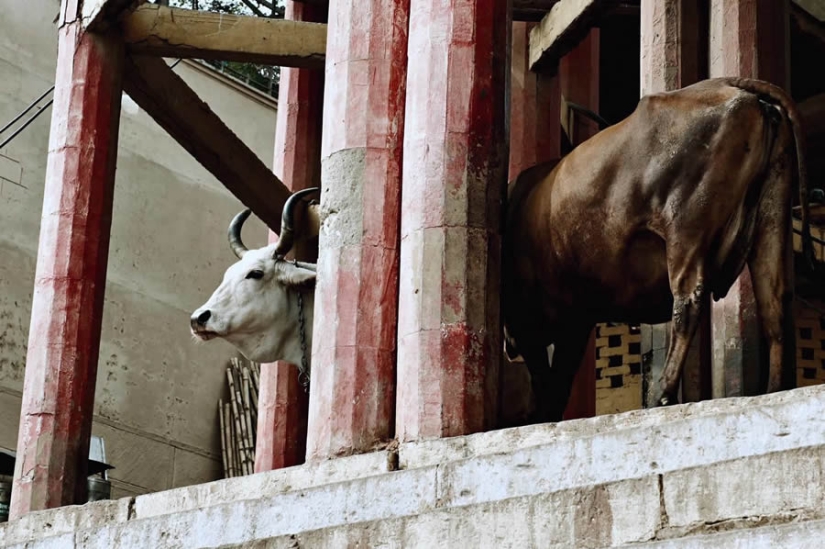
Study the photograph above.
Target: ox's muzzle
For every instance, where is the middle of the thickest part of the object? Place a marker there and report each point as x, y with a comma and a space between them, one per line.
198, 322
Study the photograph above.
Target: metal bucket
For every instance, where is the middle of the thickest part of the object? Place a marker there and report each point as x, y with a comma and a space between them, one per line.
99, 488
5, 497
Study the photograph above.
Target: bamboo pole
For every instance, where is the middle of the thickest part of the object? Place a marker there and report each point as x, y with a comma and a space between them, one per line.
223, 439
239, 417
229, 439
239, 427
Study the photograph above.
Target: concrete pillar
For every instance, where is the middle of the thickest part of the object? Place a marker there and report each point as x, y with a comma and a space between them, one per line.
70, 279
579, 80
455, 170
353, 372
283, 402
748, 38
671, 37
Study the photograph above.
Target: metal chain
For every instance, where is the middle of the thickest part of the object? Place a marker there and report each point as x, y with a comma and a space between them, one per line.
303, 371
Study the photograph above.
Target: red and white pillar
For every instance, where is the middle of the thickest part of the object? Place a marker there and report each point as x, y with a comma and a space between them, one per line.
671, 47
67, 306
352, 393
455, 174
748, 38
283, 402
534, 108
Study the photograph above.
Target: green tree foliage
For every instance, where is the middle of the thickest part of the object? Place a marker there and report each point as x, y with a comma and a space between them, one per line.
262, 77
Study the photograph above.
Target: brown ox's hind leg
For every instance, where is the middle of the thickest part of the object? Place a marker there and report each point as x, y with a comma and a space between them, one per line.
552, 383
689, 300
771, 268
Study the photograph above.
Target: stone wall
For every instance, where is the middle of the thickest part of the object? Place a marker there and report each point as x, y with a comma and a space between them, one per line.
744, 472
157, 391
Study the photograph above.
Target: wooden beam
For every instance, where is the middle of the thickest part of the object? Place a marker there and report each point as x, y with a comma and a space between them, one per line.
190, 121
168, 32
567, 24
531, 10
807, 23
815, 8
98, 15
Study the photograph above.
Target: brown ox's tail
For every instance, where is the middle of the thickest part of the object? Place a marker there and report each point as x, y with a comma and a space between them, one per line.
778, 95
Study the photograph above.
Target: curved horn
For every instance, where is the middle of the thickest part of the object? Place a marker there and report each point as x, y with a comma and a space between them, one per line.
234, 233
287, 236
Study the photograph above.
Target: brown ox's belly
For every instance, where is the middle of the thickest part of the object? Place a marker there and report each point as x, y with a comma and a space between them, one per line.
625, 282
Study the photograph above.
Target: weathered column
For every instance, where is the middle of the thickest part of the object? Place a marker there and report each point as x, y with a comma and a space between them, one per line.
455, 170
671, 37
67, 305
748, 38
283, 403
579, 77
353, 352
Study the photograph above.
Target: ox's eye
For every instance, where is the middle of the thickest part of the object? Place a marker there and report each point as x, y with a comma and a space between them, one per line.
256, 274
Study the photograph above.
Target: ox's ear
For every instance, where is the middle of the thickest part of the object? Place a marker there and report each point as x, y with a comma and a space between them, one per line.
295, 275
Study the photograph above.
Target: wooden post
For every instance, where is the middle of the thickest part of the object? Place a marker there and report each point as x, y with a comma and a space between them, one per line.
67, 305
353, 356
671, 58
579, 77
748, 38
455, 170
283, 403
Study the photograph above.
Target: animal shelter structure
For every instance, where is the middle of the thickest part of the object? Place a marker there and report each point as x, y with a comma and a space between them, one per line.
412, 115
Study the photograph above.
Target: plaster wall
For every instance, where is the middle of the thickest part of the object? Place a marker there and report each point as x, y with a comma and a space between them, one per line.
157, 390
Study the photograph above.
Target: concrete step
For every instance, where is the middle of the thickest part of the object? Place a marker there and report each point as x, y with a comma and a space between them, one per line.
797, 535
610, 481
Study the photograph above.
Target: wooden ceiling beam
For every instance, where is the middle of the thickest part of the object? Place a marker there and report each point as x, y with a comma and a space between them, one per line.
808, 23
564, 26
158, 90
169, 32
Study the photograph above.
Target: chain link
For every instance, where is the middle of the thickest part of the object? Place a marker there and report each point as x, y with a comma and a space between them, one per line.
303, 371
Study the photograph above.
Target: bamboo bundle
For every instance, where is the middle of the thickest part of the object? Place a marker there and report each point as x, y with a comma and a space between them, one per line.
238, 416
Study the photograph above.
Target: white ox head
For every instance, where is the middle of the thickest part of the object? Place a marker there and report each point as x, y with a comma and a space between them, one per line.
256, 307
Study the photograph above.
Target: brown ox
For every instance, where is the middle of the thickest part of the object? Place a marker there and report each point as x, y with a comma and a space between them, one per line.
646, 219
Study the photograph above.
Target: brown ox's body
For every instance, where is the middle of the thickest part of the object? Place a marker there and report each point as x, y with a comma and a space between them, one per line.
646, 219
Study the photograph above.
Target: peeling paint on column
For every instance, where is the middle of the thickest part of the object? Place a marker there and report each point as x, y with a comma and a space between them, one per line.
70, 278
353, 357
455, 170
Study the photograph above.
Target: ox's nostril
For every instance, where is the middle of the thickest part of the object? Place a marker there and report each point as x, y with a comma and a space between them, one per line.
204, 317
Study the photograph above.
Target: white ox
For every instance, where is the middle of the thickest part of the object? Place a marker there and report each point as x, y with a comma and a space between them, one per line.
264, 305
260, 302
